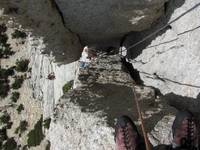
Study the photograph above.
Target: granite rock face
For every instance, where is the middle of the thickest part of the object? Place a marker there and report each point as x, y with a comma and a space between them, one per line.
162, 132
171, 61
44, 89
50, 47
105, 21
42, 19
84, 118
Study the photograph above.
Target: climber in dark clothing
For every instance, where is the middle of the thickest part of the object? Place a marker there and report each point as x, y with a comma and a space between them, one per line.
184, 129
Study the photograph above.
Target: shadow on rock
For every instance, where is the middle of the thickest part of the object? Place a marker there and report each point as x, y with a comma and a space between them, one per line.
184, 103
113, 101
43, 19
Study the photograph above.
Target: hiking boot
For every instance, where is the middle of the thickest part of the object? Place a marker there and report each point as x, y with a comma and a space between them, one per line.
184, 131
126, 134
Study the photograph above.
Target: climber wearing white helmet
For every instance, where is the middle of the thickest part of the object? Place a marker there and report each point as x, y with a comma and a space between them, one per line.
84, 60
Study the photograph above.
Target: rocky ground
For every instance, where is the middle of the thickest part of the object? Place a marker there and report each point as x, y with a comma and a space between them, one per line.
103, 92
88, 113
22, 111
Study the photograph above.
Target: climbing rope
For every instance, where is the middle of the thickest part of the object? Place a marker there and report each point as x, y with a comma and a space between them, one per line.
146, 140
147, 143
160, 29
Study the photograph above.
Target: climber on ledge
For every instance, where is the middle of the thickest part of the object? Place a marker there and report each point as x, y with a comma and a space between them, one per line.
184, 130
84, 60
88, 55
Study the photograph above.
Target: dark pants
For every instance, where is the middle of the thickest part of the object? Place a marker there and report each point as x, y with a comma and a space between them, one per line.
163, 147
169, 147
160, 147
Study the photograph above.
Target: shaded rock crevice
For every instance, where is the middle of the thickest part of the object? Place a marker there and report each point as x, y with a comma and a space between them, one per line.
105, 22
134, 73
55, 5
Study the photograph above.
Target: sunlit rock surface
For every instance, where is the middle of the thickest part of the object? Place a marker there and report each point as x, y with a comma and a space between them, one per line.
88, 113
45, 89
171, 62
162, 132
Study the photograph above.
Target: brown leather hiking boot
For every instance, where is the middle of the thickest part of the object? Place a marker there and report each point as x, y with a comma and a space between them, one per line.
126, 134
184, 131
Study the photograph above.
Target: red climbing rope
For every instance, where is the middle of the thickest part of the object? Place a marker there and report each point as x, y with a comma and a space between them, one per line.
146, 140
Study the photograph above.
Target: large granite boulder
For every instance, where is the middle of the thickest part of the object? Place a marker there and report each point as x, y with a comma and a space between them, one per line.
103, 21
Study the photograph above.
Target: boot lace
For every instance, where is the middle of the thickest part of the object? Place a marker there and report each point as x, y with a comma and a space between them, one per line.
127, 139
189, 141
